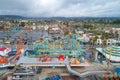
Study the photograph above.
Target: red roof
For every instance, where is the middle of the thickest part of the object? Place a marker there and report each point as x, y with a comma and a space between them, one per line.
2, 49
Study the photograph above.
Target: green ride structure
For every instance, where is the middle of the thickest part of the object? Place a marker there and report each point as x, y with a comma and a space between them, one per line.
70, 45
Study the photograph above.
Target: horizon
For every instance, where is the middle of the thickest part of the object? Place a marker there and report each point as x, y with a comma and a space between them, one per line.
62, 8
59, 16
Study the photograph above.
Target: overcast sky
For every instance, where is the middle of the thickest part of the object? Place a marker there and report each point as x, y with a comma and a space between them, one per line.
63, 8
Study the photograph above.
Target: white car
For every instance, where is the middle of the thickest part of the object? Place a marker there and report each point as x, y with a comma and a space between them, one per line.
17, 78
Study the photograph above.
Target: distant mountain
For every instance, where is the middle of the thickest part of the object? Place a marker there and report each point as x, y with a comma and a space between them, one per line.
4, 17
11, 17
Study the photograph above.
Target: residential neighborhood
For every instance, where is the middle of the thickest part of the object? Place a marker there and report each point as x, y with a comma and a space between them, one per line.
59, 39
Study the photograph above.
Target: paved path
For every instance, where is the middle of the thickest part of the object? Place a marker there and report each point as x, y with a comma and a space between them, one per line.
66, 62
26, 61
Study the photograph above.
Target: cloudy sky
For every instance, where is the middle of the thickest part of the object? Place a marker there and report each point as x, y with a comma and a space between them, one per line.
63, 8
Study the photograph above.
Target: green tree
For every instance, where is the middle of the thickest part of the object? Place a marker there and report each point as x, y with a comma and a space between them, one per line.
104, 42
58, 37
66, 32
41, 39
95, 39
1, 27
22, 24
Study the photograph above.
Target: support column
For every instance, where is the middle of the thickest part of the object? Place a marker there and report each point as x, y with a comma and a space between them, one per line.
95, 56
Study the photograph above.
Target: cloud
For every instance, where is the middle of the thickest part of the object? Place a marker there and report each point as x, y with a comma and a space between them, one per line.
65, 8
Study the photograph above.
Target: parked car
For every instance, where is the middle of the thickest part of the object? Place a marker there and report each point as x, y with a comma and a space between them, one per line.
55, 77
58, 76
23, 71
17, 77
39, 70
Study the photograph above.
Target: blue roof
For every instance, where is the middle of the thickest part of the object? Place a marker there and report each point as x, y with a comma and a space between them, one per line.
117, 70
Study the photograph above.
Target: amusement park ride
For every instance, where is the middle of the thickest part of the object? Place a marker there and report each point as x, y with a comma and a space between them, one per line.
19, 49
3, 52
45, 49
5, 60
70, 45
61, 57
45, 58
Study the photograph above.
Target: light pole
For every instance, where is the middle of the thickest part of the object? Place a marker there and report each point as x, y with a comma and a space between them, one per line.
109, 58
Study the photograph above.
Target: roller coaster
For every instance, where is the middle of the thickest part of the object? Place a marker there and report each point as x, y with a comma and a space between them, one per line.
69, 45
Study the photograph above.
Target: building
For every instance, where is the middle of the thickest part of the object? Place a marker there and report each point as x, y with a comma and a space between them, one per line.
99, 42
34, 26
117, 41
112, 53
85, 38
110, 41
107, 29
79, 31
54, 29
46, 27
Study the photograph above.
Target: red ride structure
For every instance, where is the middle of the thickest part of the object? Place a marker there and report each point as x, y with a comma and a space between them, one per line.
61, 57
19, 49
3, 60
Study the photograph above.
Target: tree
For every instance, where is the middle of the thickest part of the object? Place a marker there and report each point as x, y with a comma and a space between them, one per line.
41, 39
66, 32
107, 35
58, 37
74, 32
22, 24
1, 27
104, 42
116, 34
95, 39
26, 34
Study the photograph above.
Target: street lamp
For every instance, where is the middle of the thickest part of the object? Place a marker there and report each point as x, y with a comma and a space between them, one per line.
109, 58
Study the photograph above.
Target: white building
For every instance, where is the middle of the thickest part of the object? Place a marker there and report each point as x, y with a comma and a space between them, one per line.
79, 31
34, 27
117, 40
116, 29
99, 42
110, 41
85, 38
40, 27
46, 27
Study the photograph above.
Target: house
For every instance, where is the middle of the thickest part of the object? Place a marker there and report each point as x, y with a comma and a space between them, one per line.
99, 42
46, 27
90, 35
34, 26
110, 41
107, 29
85, 38
79, 31
116, 29
117, 41
54, 29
